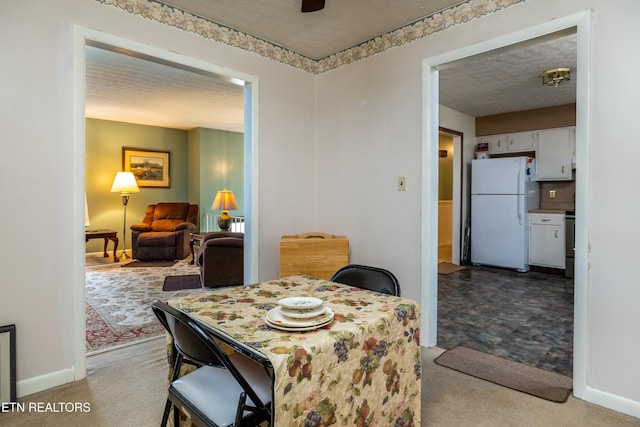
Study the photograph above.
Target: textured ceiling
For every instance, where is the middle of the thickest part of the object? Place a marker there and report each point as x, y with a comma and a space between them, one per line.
509, 79
340, 25
129, 89
132, 89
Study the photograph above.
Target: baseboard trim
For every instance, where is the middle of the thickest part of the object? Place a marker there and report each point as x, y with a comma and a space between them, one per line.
611, 401
44, 382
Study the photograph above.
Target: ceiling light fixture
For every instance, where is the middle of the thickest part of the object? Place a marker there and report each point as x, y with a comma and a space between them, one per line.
556, 77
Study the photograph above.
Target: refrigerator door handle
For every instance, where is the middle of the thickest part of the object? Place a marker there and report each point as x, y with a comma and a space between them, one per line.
519, 211
519, 206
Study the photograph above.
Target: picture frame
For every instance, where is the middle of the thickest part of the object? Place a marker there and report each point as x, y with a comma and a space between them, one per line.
7, 363
150, 167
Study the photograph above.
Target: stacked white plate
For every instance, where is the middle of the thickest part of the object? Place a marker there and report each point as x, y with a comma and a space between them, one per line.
299, 314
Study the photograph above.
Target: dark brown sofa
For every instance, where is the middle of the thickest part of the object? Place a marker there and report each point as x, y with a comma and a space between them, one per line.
164, 232
221, 259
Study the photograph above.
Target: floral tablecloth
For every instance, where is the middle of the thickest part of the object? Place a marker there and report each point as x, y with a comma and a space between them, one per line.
363, 369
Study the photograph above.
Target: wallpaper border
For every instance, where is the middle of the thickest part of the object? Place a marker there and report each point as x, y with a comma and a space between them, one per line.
458, 14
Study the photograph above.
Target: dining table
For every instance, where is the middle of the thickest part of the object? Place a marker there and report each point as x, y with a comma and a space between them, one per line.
360, 366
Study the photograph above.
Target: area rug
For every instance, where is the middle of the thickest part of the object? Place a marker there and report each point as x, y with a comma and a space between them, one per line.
119, 301
149, 264
448, 268
176, 283
507, 373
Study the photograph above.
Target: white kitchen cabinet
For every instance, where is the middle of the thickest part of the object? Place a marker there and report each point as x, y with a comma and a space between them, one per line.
512, 142
497, 143
522, 141
546, 240
555, 153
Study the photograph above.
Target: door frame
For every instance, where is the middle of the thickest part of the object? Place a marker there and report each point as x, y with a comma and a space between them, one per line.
84, 36
430, 120
457, 222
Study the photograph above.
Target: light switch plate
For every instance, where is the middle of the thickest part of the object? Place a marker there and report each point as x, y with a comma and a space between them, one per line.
402, 183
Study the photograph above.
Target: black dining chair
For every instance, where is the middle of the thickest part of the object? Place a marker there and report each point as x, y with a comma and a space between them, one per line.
225, 390
365, 277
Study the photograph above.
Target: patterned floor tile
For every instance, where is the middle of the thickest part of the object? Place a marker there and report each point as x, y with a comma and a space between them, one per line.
526, 317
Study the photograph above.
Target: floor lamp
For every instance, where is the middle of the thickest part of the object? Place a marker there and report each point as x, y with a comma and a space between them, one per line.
124, 183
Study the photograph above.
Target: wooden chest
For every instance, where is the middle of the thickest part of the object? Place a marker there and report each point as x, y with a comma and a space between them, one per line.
315, 254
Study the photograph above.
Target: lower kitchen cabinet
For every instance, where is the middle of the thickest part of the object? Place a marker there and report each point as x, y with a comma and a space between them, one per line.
546, 240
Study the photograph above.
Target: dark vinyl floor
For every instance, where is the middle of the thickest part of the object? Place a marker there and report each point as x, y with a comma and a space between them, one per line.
525, 317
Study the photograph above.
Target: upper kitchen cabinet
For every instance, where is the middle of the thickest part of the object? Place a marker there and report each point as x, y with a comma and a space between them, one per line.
555, 154
496, 143
522, 141
509, 143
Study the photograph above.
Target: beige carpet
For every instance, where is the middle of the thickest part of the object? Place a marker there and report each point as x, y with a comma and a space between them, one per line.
451, 398
127, 387
517, 376
448, 268
124, 387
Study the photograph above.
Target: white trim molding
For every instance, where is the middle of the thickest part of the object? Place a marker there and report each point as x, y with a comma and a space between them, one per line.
430, 119
45, 382
84, 36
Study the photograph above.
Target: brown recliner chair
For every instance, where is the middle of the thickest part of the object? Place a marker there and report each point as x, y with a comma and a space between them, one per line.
164, 232
221, 259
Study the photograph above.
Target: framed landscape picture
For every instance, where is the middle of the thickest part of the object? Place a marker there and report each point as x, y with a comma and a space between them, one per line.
150, 167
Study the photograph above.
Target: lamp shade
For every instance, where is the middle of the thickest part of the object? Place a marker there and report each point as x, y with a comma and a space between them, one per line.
224, 201
125, 182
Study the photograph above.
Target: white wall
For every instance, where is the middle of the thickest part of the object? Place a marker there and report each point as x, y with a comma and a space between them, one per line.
369, 132
42, 168
368, 135
614, 203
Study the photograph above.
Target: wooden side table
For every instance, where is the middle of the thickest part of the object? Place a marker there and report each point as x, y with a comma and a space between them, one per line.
106, 235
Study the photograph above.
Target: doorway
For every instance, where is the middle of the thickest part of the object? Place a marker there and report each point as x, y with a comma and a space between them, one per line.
431, 122
450, 195
86, 37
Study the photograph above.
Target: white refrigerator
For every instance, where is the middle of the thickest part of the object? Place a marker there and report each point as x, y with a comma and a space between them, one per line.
502, 192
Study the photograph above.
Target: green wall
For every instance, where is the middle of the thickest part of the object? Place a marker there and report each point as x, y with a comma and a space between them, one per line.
221, 165
193, 137
202, 161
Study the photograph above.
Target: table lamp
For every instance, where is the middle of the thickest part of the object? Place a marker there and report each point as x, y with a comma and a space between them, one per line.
125, 183
224, 201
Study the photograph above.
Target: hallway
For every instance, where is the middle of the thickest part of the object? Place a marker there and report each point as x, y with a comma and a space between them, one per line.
525, 317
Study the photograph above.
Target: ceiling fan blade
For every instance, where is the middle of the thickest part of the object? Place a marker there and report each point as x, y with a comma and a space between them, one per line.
312, 5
